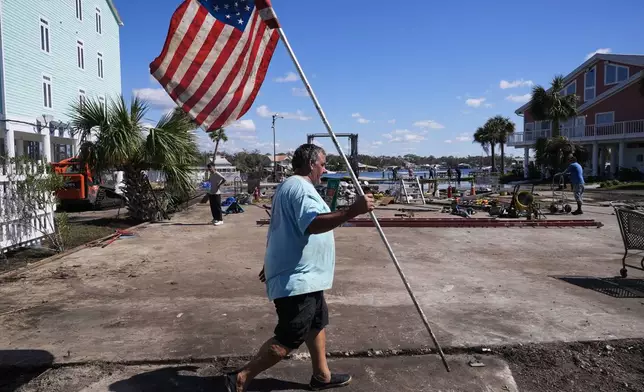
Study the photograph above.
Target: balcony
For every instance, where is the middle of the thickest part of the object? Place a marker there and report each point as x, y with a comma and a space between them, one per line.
589, 133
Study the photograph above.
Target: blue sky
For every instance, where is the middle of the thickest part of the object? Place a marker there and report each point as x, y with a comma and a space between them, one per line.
409, 77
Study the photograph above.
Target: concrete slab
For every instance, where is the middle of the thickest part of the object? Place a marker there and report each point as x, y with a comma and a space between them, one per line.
186, 289
420, 373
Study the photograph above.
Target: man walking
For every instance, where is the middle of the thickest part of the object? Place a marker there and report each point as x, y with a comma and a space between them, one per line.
298, 267
577, 180
214, 194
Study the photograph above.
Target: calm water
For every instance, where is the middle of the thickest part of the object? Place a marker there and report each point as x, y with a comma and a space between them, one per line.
465, 185
388, 174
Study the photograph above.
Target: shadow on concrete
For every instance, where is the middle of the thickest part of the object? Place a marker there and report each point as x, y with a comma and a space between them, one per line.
175, 379
18, 367
614, 287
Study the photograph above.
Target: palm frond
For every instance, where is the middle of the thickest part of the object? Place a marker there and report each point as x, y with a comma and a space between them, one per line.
87, 117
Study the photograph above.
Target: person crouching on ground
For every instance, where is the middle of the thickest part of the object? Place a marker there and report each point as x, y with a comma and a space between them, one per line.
214, 195
298, 267
576, 173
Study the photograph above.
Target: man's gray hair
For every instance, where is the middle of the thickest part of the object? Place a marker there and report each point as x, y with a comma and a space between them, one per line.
306, 155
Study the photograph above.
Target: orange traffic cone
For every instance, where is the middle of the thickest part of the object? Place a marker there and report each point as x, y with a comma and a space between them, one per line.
473, 190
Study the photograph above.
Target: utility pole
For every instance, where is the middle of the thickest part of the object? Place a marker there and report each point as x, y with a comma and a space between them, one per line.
275, 116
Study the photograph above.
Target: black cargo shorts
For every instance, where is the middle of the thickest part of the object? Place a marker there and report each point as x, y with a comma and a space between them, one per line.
297, 316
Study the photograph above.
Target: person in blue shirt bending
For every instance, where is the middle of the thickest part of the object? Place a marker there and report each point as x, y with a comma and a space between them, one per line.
298, 266
576, 173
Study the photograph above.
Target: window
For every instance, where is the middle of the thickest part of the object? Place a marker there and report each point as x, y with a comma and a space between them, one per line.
569, 89
639, 158
46, 92
100, 65
101, 101
529, 127
615, 73
44, 36
80, 54
607, 118
82, 97
542, 125
99, 21
79, 9
589, 85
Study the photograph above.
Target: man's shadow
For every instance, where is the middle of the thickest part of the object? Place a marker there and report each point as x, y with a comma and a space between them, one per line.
169, 379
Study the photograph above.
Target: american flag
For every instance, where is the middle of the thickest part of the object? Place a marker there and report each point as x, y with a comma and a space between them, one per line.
215, 57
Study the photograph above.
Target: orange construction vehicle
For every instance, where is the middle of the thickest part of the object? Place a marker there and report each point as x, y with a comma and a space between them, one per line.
81, 186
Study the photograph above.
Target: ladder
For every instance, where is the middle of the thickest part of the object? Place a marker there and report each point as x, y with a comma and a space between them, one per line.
410, 189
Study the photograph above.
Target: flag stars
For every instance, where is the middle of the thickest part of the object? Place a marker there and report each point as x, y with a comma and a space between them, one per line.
216, 8
226, 6
240, 21
247, 8
227, 16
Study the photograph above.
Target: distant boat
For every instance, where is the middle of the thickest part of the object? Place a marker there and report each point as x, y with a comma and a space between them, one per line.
464, 166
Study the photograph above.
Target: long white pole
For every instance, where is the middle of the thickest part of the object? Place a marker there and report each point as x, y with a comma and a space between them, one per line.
361, 193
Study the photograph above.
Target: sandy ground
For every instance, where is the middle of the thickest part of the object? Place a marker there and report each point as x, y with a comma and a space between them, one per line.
185, 289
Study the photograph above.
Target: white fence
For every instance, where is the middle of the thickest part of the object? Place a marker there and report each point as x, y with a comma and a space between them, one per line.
18, 229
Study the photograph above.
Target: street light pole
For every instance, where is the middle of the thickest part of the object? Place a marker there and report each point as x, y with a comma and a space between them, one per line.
275, 116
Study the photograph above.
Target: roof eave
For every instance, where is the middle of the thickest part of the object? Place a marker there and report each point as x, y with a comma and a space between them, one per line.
585, 64
115, 12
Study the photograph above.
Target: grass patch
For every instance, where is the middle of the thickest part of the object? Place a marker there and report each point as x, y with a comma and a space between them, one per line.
78, 233
616, 185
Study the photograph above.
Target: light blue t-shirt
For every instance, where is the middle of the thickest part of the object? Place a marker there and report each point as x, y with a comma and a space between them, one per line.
576, 174
296, 262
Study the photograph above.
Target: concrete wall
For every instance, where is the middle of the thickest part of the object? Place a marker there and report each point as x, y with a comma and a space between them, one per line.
25, 62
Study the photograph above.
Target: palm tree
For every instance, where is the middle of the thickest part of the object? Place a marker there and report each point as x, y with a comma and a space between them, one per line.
502, 128
486, 137
554, 153
218, 135
551, 105
113, 138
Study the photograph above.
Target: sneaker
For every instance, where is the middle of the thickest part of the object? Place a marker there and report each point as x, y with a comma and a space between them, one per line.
578, 212
218, 223
337, 381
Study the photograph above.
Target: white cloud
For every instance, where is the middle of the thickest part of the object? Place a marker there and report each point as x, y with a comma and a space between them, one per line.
243, 125
404, 136
264, 111
356, 115
519, 98
290, 77
299, 92
392, 121
363, 121
378, 143
157, 98
488, 105
448, 141
464, 137
475, 102
431, 124
599, 51
516, 83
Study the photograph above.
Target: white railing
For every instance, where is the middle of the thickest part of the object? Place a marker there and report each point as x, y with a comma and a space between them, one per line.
619, 130
16, 230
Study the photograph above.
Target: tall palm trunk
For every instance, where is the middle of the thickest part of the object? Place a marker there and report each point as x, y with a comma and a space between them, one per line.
214, 155
555, 128
492, 155
502, 146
